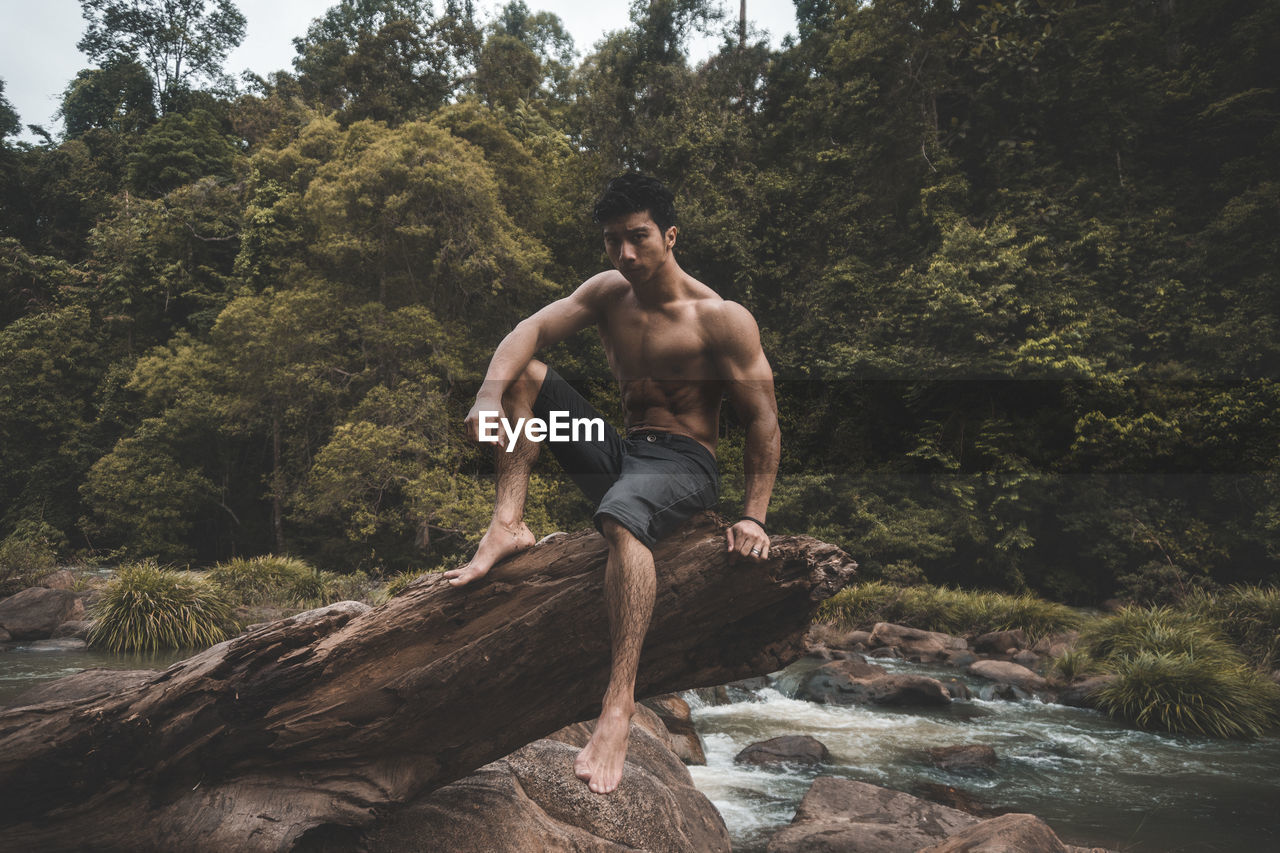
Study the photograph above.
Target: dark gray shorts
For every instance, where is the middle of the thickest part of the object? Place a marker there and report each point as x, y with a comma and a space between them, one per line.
650, 482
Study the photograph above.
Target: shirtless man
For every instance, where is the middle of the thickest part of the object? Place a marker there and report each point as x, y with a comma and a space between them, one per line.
676, 348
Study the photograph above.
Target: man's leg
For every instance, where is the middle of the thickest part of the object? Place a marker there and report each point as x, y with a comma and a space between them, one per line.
507, 533
630, 586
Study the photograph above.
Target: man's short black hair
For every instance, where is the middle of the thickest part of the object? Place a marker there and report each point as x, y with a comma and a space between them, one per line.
636, 193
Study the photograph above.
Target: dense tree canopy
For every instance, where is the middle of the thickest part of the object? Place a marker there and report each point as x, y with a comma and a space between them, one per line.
1015, 265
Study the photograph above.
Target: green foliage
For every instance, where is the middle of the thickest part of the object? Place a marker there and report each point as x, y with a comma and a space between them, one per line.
180, 149
28, 554
9, 123
1194, 693
322, 588
118, 97
1176, 671
1163, 630
147, 607
179, 42
387, 60
951, 611
1073, 663
1249, 616
254, 580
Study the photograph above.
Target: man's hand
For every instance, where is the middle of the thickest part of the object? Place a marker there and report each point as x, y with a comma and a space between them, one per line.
485, 404
748, 539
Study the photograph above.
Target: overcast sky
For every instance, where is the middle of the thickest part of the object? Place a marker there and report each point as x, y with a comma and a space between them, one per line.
38, 55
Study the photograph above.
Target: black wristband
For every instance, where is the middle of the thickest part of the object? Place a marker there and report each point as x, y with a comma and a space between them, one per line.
757, 521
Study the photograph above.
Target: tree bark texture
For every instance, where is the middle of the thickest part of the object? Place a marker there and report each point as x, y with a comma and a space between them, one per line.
303, 732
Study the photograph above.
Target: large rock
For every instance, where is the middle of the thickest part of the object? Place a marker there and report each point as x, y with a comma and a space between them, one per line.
852, 682
682, 737
86, 684
914, 644
531, 800
1010, 833
843, 816
963, 758
61, 579
1001, 642
34, 613
78, 628
788, 749
1005, 672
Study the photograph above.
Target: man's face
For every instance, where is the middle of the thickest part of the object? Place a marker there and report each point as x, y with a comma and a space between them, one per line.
637, 246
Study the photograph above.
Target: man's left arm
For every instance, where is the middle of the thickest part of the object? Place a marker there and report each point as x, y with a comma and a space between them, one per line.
750, 388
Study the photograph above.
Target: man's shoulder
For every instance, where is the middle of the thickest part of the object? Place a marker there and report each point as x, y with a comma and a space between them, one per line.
727, 321
609, 284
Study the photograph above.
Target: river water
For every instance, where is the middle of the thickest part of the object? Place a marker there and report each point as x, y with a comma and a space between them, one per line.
24, 665
1094, 781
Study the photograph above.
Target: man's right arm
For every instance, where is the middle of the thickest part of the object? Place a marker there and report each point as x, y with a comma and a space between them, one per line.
546, 327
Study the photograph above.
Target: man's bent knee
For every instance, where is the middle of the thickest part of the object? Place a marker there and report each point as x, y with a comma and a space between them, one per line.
614, 531
522, 393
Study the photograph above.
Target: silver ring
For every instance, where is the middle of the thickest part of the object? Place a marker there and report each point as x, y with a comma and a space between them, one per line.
755, 550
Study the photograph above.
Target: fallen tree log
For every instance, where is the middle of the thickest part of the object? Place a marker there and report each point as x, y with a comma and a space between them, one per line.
302, 732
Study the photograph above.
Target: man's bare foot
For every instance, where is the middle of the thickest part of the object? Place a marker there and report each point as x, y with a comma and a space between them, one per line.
499, 541
600, 762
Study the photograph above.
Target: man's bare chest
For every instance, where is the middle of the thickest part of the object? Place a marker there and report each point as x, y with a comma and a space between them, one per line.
656, 345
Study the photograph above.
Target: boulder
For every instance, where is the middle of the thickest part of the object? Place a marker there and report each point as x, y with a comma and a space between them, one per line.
843, 816
788, 749
914, 644
957, 688
953, 797
677, 721
1009, 833
958, 657
61, 579
78, 628
1001, 642
85, 684
34, 613
963, 758
1006, 672
1080, 693
531, 800
826, 653
824, 635
1027, 658
849, 682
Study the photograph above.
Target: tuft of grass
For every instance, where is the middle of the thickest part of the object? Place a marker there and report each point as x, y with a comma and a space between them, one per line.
255, 580
1183, 692
944, 609
1249, 616
1073, 663
146, 608
1176, 670
397, 582
1162, 630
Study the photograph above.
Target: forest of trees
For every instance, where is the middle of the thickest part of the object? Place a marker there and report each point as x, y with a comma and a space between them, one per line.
1015, 264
